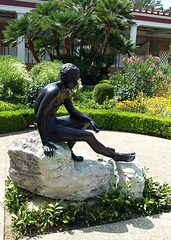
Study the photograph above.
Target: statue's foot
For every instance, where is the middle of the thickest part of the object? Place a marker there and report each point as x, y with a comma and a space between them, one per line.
76, 158
124, 157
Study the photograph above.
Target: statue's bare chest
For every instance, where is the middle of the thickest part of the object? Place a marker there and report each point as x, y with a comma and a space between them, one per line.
59, 100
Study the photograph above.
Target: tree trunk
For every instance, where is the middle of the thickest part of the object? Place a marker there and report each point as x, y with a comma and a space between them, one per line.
104, 70
67, 47
81, 46
101, 49
72, 48
52, 57
56, 45
30, 45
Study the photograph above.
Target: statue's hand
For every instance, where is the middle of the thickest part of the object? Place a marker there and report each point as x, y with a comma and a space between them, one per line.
48, 149
95, 126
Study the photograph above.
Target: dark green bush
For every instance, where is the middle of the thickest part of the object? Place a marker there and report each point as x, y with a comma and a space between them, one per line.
46, 71
107, 120
14, 78
16, 120
41, 74
131, 122
32, 93
102, 91
6, 106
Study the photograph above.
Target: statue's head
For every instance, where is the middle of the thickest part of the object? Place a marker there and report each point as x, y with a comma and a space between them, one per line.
69, 75
67, 70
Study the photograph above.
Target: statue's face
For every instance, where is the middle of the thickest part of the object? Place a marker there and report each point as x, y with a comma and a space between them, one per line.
71, 81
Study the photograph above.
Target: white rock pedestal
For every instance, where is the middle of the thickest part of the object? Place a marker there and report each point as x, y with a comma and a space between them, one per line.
131, 174
128, 174
58, 176
61, 177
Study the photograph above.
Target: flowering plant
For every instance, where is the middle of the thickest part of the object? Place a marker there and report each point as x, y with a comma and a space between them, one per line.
140, 75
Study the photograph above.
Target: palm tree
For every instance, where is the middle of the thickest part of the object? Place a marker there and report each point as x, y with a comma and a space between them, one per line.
64, 23
112, 14
28, 27
85, 9
147, 4
84, 28
50, 40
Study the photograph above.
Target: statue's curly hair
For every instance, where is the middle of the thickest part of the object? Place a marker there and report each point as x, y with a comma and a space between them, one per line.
68, 69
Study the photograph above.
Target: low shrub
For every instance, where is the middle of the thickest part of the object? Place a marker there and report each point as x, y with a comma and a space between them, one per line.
138, 75
14, 79
103, 91
18, 120
107, 120
113, 206
156, 197
6, 106
132, 122
41, 74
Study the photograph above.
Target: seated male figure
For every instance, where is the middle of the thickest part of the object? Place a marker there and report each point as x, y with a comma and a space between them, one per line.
70, 128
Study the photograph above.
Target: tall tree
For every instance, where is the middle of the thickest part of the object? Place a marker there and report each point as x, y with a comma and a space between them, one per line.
85, 9
28, 27
85, 29
50, 40
113, 14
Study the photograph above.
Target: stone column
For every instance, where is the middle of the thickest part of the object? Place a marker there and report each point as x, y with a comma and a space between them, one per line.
133, 33
21, 45
147, 47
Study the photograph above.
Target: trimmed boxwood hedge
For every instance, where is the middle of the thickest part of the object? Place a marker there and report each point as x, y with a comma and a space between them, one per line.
132, 122
107, 120
11, 121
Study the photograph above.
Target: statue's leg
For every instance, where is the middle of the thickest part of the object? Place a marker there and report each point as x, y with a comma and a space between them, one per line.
81, 127
74, 123
70, 134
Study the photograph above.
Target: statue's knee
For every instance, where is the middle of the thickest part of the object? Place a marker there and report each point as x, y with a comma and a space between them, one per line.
90, 136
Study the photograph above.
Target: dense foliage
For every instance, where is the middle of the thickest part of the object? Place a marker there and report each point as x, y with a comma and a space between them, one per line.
106, 119
6, 106
14, 78
103, 91
113, 206
41, 74
148, 4
77, 31
140, 76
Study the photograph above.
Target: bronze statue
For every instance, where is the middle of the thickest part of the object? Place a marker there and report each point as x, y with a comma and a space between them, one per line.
70, 128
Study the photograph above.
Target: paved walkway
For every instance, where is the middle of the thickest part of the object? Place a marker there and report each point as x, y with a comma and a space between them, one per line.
153, 153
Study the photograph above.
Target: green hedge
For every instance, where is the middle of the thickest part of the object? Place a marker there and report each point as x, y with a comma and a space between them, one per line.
16, 120
132, 122
107, 120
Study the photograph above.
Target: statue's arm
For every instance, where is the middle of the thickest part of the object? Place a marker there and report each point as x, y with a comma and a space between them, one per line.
77, 114
44, 107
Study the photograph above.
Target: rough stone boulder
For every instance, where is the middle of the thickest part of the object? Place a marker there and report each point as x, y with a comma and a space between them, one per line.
58, 176
131, 174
